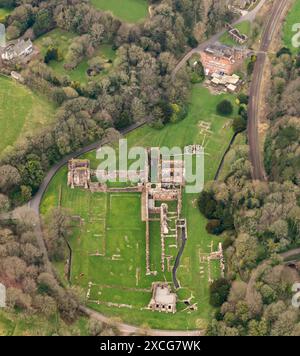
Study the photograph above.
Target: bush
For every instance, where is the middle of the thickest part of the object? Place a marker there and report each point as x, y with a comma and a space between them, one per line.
243, 98
224, 108
195, 79
198, 74
243, 111
283, 50
250, 68
51, 54
297, 64
239, 124
214, 227
179, 113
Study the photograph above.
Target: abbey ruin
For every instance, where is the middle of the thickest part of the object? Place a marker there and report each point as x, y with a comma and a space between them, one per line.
161, 184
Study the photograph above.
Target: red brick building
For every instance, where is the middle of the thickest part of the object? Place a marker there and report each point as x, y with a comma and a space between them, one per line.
217, 59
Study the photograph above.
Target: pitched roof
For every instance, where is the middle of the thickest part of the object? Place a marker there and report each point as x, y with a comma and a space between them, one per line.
22, 46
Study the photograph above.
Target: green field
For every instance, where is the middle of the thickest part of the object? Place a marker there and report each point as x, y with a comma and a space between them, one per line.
127, 10
243, 27
231, 156
62, 40
292, 18
111, 226
21, 111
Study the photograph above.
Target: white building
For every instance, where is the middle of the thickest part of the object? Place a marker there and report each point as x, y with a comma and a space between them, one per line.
228, 82
19, 49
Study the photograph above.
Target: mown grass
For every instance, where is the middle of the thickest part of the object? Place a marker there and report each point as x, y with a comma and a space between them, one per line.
62, 40
289, 32
119, 276
244, 27
21, 112
127, 10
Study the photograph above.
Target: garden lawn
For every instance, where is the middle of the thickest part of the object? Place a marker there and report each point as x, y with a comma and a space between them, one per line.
21, 111
291, 19
119, 276
244, 27
62, 40
127, 10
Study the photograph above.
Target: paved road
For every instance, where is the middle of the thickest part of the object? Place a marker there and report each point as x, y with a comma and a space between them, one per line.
36, 200
130, 329
258, 171
250, 16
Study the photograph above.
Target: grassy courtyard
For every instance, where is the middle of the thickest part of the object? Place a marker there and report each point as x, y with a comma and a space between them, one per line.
244, 28
62, 40
292, 19
110, 225
21, 111
127, 10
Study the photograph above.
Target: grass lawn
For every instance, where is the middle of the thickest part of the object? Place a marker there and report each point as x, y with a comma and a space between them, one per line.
292, 18
127, 10
62, 40
3, 13
111, 224
231, 156
21, 111
244, 27
20, 324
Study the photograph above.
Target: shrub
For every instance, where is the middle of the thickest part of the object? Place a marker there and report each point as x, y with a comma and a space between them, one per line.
51, 54
243, 98
214, 227
283, 50
239, 124
250, 67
